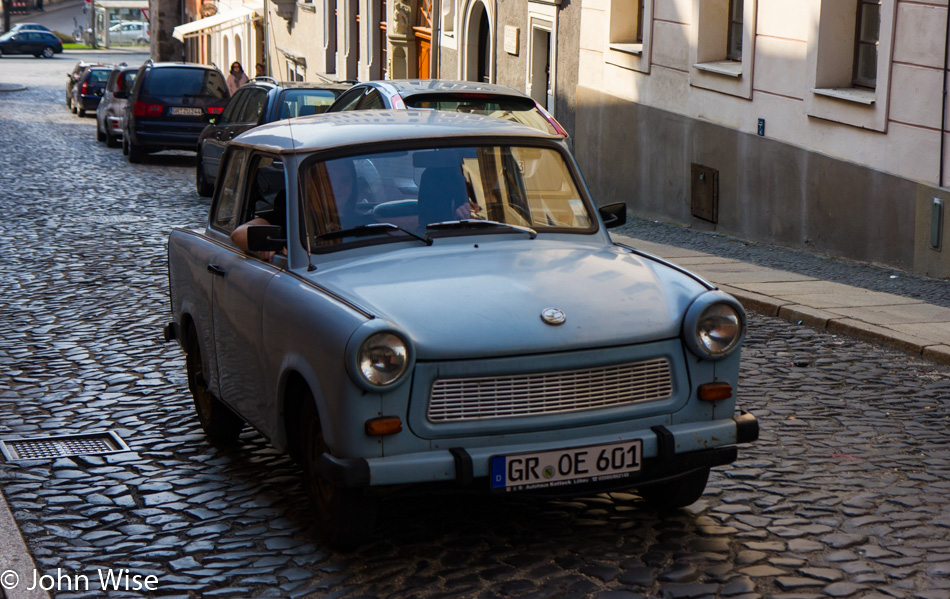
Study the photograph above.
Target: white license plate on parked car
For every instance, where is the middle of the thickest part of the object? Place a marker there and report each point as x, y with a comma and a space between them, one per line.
565, 467
186, 111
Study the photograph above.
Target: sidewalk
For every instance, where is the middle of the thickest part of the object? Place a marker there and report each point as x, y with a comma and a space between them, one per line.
909, 324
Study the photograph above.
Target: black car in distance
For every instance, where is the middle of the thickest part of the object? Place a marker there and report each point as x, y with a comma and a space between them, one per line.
263, 100
37, 43
169, 106
88, 89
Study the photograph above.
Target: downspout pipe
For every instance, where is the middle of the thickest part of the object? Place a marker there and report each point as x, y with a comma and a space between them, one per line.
943, 112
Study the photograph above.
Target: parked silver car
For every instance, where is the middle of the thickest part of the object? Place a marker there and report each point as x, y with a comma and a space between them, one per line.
129, 32
110, 114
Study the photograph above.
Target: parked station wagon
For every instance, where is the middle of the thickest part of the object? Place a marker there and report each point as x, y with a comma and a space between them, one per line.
430, 297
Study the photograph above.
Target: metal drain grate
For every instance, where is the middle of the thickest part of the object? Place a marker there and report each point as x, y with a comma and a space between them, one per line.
40, 448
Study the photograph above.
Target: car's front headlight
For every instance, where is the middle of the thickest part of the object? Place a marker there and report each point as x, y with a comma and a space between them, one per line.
714, 325
383, 359
719, 328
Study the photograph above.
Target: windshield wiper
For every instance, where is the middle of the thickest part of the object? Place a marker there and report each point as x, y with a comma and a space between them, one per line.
369, 230
472, 223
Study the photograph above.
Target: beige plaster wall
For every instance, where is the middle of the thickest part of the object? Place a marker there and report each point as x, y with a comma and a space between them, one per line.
769, 190
907, 144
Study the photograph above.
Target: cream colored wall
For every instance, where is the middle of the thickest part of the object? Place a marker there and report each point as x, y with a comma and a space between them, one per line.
304, 36
781, 81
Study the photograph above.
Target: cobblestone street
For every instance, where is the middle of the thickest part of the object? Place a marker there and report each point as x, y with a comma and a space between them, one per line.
846, 493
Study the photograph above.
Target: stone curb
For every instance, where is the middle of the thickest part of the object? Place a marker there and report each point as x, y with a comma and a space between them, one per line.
15, 557
11, 87
769, 305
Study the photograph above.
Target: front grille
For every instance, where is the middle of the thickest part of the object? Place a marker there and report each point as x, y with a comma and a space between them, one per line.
481, 398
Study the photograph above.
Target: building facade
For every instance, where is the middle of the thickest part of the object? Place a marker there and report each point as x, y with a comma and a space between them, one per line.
815, 124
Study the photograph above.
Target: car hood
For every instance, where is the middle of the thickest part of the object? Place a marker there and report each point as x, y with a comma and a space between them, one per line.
485, 299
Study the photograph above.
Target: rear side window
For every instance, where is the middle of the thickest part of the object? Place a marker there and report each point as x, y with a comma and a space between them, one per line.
126, 80
303, 102
98, 76
251, 111
197, 83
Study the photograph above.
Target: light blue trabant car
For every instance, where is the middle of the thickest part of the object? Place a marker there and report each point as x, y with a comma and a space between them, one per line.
403, 297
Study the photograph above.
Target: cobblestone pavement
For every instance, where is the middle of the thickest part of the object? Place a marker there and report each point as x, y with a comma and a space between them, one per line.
845, 495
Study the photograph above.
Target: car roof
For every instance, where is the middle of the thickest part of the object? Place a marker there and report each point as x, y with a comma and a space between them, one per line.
408, 87
342, 129
270, 83
188, 65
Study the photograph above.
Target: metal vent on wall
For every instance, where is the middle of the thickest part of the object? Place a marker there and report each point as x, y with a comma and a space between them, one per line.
40, 448
704, 193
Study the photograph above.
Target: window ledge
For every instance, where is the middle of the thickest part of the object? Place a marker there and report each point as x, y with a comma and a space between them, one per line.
729, 68
849, 94
306, 6
635, 49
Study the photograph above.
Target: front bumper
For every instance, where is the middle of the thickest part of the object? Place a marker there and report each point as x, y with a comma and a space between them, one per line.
668, 452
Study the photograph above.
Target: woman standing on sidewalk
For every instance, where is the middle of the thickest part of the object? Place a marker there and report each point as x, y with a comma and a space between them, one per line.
237, 77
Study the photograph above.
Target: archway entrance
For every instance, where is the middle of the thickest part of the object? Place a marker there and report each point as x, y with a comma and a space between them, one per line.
478, 45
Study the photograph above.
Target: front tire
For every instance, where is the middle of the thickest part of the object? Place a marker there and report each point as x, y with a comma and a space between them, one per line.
48, 52
679, 492
220, 424
346, 517
82, 113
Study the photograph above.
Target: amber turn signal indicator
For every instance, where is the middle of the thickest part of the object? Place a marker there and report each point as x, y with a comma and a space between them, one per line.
715, 391
382, 426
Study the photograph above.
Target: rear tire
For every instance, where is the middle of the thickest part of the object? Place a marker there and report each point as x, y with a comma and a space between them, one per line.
220, 424
82, 113
125, 145
111, 140
676, 493
135, 153
204, 188
346, 517
100, 136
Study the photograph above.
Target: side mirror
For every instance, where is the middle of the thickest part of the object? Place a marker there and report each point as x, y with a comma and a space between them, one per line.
613, 215
266, 238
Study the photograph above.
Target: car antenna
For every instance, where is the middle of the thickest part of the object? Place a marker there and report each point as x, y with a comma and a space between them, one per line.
306, 229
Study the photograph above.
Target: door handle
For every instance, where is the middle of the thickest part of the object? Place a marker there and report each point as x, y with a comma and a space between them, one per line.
216, 270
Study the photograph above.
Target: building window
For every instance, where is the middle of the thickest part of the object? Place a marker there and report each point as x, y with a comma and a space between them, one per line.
734, 35
640, 22
848, 63
625, 26
722, 46
866, 43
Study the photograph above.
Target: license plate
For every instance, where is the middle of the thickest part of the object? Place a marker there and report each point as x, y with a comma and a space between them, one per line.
186, 111
565, 467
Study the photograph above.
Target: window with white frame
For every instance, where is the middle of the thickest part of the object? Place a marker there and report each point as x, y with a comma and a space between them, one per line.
628, 33
295, 72
848, 62
722, 46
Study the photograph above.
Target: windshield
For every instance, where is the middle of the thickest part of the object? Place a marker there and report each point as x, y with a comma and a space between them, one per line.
522, 186
172, 81
510, 108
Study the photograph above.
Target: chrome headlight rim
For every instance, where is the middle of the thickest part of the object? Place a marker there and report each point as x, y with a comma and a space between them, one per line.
701, 318
374, 337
